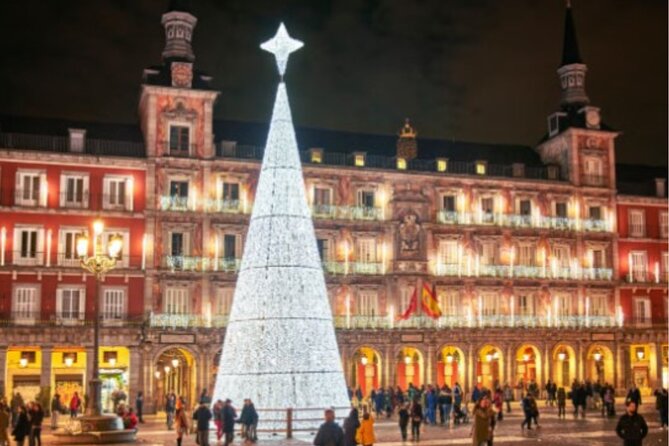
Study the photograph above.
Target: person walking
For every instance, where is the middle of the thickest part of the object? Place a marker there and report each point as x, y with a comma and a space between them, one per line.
229, 418
249, 419
403, 416
15, 404
4, 424
483, 425
632, 427
366, 431
55, 408
329, 433
139, 406
526, 405
182, 424
634, 395
561, 402
416, 419
22, 428
351, 425
508, 396
218, 419
36, 417
498, 403
448, 405
202, 416
75, 404
170, 409
661, 403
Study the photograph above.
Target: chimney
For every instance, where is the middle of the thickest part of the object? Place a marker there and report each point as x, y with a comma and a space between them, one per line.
660, 186
77, 140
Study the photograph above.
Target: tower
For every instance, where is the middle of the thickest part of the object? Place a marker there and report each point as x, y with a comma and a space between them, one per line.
407, 148
280, 348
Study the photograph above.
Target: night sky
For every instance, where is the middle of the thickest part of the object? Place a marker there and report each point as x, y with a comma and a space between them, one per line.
474, 70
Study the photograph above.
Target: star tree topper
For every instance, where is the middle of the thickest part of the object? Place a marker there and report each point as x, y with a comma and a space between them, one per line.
281, 45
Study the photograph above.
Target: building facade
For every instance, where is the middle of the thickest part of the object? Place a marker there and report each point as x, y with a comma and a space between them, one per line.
527, 250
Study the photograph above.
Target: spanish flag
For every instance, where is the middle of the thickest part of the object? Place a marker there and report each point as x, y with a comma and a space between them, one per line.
413, 305
429, 302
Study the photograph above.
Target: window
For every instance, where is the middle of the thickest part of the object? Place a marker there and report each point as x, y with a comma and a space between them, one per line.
665, 266
178, 247
316, 156
561, 255
25, 307
176, 301
179, 189
525, 305
639, 265
480, 168
448, 252
593, 171
28, 242
598, 258
526, 255
67, 246
323, 245
599, 305
368, 303
31, 188
322, 196
642, 311
524, 207
223, 301
366, 198
561, 209
113, 304
359, 159
229, 191
122, 260
442, 165
563, 305
401, 164
366, 250
488, 253
70, 304
487, 205
489, 304
637, 223
448, 302
74, 190
117, 191
177, 244
595, 212
664, 224
448, 203
231, 246
179, 140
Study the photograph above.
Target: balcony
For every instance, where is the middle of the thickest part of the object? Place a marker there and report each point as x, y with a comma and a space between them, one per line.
521, 221
593, 180
174, 321
201, 264
593, 225
467, 269
68, 319
344, 268
356, 322
178, 150
61, 144
224, 206
31, 199
328, 211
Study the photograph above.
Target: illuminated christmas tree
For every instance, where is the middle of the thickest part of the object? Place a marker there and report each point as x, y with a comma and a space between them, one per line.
280, 348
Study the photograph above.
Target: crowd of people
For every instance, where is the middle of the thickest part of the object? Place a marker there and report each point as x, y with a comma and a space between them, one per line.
24, 420
447, 406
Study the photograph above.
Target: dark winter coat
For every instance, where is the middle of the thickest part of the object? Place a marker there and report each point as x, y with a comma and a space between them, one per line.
202, 416
249, 415
632, 429
329, 434
22, 428
351, 425
229, 416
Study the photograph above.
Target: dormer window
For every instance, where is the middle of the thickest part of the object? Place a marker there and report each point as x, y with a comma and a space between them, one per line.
481, 167
401, 164
359, 159
316, 156
179, 140
442, 164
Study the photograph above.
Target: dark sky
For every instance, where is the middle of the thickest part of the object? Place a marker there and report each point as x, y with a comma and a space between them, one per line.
476, 70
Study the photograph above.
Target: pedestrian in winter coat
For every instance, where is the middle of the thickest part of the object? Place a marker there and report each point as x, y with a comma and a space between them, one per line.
4, 424
75, 404
249, 420
634, 395
170, 408
202, 416
484, 423
366, 431
229, 416
526, 405
498, 402
36, 417
218, 419
330, 433
55, 408
22, 427
16, 404
561, 402
508, 397
351, 425
139, 406
403, 416
661, 403
182, 425
632, 428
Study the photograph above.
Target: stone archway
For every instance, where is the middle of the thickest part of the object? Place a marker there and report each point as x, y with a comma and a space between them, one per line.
366, 370
175, 370
451, 365
410, 367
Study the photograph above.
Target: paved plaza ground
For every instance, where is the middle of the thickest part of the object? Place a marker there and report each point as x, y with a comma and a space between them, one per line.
593, 430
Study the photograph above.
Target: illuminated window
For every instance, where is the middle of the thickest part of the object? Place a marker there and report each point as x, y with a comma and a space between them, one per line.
401, 164
179, 142
359, 159
368, 303
316, 156
637, 223
442, 165
480, 168
664, 224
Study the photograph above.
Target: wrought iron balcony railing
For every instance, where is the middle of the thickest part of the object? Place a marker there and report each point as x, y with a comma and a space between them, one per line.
346, 212
467, 269
522, 221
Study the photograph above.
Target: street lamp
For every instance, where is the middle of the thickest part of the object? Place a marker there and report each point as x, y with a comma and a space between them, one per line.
175, 363
597, 356
98, 264
23, 363
640, 354
562, 356
363, 360
407, 359
449, 357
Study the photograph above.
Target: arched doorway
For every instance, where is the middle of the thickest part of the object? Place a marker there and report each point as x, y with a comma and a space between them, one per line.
409, 368
175, 372
564, 365
489, 366
528, 365
450, 366
366, 370
599, 364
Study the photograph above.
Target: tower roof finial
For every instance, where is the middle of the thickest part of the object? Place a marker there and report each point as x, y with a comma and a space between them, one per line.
570, 53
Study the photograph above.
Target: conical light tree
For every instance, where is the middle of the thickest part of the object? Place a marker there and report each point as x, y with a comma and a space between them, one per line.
280, 348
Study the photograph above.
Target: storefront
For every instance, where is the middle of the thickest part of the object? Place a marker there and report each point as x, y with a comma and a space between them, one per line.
114, 374
68, 373
24, 368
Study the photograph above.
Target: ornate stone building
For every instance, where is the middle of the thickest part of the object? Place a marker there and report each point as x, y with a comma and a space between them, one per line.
524, 248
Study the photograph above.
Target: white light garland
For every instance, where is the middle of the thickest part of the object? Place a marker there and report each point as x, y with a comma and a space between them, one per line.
280, 348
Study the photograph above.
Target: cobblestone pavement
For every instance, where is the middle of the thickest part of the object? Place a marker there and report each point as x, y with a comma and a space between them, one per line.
591, 431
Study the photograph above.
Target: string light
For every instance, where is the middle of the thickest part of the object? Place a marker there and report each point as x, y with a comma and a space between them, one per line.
280, 348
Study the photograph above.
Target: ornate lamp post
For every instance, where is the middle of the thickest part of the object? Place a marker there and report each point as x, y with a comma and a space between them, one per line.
100, 263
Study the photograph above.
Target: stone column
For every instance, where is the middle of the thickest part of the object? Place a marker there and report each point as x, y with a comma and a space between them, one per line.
509, 366
547, 365
656, 380
3, 372
386, 360
429, 378
469, 375
135, 381
90, 358
45, 375
580, 361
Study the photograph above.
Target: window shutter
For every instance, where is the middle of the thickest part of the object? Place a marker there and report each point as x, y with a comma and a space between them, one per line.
129, 192
105, 193
186, 242
18, 193
82, 303
63, 190
85, 192
44, 190
238, 246
59, 302
41, 247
